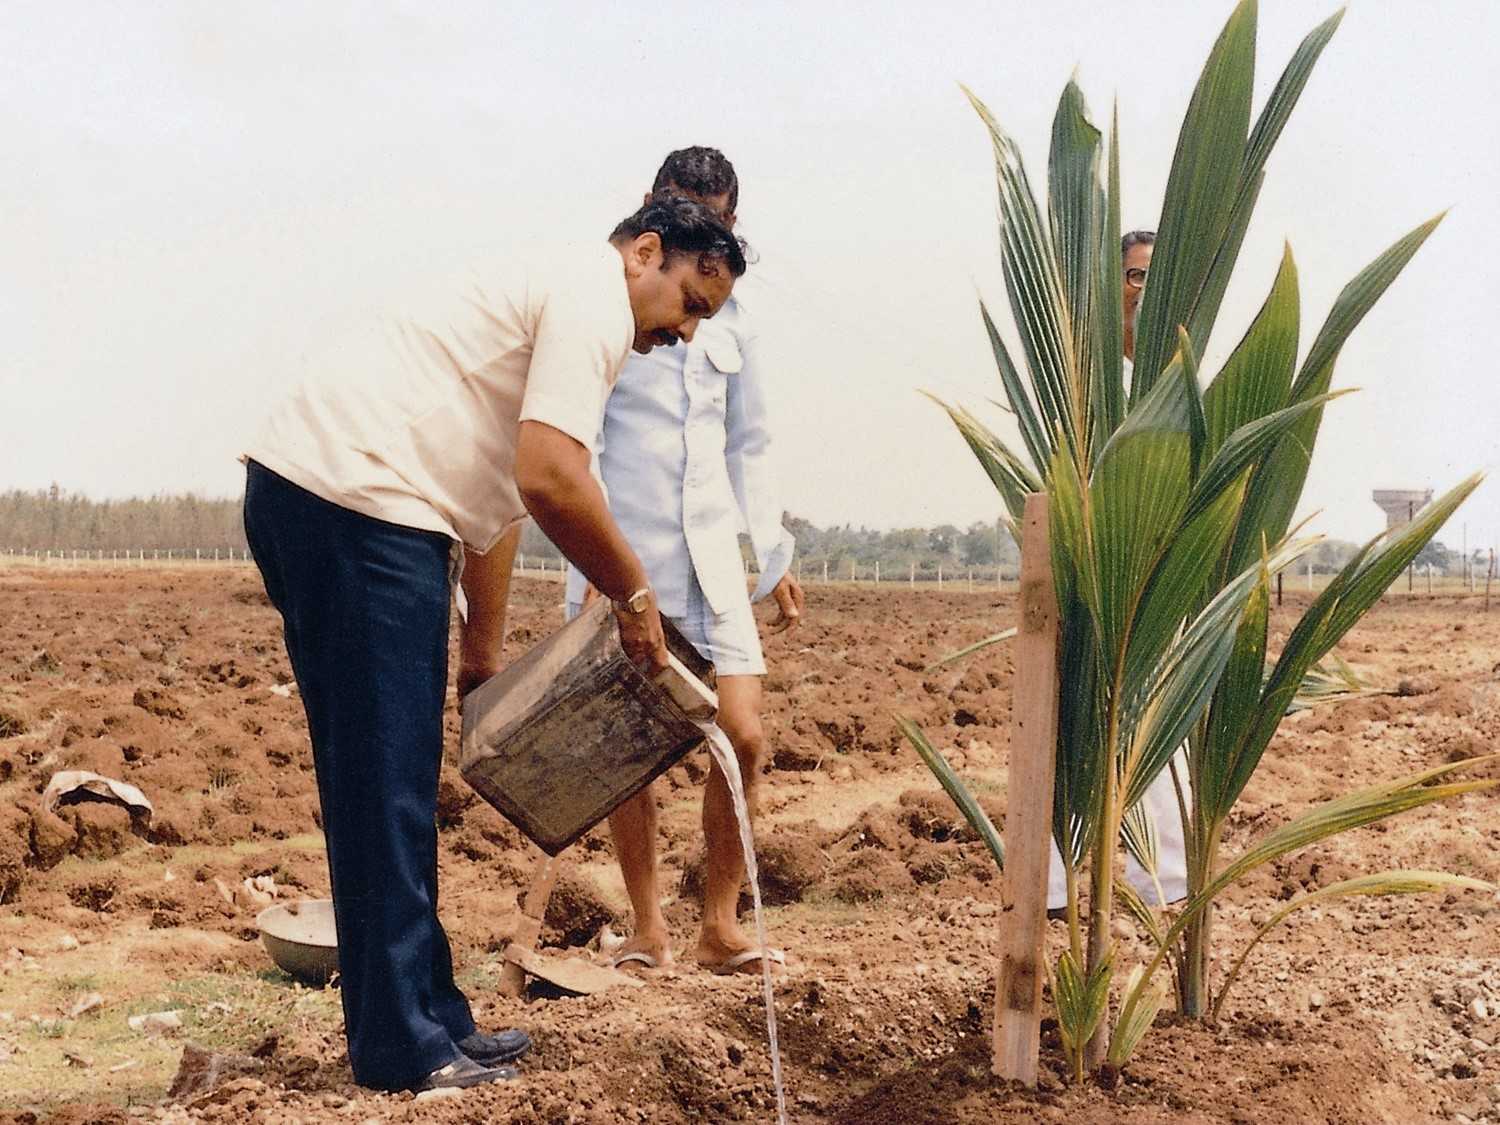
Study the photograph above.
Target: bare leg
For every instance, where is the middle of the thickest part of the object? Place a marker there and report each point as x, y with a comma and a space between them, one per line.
739, 718
633, 826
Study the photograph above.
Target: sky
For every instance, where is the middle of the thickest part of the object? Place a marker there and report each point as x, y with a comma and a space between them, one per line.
195, 195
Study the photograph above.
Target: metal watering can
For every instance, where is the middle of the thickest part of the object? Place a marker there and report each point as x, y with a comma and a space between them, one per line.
570, 731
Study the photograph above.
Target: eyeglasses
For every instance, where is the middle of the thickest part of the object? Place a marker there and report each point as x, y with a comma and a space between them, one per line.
1135, 277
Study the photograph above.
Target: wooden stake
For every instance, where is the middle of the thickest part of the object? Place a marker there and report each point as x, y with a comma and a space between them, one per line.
1028, 818
1488, 578
529, 925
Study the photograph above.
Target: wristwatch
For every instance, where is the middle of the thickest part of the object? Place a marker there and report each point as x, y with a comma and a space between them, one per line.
638, 602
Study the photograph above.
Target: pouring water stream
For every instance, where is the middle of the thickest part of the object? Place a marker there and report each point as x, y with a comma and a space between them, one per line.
723, 753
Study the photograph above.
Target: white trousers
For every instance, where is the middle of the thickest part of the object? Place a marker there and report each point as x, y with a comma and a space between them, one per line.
1160, 803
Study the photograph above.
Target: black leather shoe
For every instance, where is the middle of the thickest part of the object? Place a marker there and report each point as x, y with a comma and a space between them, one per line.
464, 1071
506, 1046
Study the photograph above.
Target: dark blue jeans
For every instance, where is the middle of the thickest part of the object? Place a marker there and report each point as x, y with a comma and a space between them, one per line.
365, 609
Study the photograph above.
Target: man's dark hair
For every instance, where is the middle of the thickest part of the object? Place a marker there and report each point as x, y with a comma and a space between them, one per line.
685, 227
698, 171
1137, 238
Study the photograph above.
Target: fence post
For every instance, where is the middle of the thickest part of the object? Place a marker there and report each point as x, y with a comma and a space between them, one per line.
913, 575
877, 572
1028, 818
825, 572
940, 576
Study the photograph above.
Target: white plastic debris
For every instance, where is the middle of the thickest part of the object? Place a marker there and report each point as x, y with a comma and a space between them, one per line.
85, 1003
153, 1022
65, 783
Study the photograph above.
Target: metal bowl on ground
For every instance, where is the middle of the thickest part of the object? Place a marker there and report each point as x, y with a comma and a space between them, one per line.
301, 939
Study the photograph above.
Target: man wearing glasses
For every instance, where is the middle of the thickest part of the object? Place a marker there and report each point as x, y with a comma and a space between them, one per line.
1135, 253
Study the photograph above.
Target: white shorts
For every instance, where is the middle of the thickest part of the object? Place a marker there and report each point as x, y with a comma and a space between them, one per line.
729, 641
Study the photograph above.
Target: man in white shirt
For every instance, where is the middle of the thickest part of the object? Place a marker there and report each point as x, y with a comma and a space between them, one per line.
432, 430
1168, 882
683, 453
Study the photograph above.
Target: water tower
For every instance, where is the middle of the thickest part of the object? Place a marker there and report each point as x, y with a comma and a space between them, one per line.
1400, 504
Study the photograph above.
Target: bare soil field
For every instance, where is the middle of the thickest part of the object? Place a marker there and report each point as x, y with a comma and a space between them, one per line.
1384, 1010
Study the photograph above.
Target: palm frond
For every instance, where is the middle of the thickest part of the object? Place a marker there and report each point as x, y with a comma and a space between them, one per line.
957, 791
1401, 882
1202, 189
970, 650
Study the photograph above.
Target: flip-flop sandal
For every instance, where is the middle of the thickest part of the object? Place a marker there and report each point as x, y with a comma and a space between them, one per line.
634, 957
744, 957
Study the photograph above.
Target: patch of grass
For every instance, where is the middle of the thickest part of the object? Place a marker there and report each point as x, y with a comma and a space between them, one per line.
70, 986
223, 1011
193, 855
483, 977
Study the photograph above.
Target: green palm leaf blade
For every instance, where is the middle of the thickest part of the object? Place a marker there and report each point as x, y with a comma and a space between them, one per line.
1331, 680
1158, 717
1276, 487
1401, 882
1354, 302
1107, 392
1200, 322
970, 650
1071, 521
1352, 810
953, 785
1080, 755
1233, 710
1075, 802
1333, 613
1138, 909
1175, 590
1033, 282
1268, 126
1138, 834
1257, 378
1278, 108
1201, 192
1075, 206
1246, 446
1033, 433
1136, 500
1137, 1015
1007, 472
1193, 394
1345, 600
1081, 1000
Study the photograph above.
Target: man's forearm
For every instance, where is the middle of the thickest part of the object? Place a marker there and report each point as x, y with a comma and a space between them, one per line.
574, 516
486, 584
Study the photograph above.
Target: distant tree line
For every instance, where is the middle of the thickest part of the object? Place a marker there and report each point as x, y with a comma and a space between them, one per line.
54, 520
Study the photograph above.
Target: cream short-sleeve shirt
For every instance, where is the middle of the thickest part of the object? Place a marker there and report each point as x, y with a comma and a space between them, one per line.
415, 419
